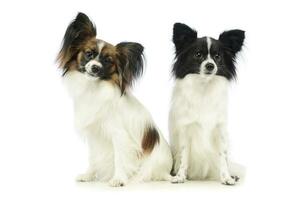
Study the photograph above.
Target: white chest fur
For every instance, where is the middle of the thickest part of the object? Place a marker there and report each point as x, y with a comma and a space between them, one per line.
196, 99
94, 101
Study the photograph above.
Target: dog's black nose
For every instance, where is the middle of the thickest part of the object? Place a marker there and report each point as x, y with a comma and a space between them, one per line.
209, 67
95, 69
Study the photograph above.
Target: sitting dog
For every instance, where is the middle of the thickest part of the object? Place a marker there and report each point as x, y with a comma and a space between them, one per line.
124, 143
203, 69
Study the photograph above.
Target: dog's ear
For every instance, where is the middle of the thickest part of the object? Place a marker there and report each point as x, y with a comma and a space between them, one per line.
183, 35
233, 40
78, 32
131, 63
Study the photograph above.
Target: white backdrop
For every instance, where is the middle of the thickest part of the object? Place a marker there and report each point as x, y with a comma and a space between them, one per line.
40, 153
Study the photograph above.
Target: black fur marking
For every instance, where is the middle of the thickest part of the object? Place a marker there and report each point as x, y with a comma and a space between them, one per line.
183, 36
191, 51
130, 56
187, 62
231, 43
233, 40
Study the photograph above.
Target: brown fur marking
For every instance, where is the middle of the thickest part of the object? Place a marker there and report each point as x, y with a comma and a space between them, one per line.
150, 139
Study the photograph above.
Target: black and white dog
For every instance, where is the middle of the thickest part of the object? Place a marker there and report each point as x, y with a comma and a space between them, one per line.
203, 69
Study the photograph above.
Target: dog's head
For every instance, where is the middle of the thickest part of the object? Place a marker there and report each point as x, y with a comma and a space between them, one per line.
97, 59
205, 56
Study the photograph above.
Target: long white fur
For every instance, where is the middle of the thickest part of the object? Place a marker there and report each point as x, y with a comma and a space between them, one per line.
197, 123
113, 125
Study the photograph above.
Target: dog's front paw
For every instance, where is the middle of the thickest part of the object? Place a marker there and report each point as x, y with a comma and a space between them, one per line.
87, 177
178, 179
230, 180
116, 182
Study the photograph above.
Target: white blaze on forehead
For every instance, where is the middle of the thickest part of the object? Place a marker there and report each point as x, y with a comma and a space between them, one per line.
208, 59
208, 41
100, 45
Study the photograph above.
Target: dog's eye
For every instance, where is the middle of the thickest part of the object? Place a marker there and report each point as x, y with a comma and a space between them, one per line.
217, 57
89, 54
107, 60
198, 54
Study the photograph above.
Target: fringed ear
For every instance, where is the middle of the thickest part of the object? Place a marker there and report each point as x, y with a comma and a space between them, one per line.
131, 63
183, 35
80, 30
233, 40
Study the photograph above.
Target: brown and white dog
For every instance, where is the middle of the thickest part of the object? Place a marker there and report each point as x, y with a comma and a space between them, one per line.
124, 143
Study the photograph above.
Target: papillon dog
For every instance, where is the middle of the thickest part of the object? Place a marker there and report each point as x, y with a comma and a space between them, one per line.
202, 69
124, 142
